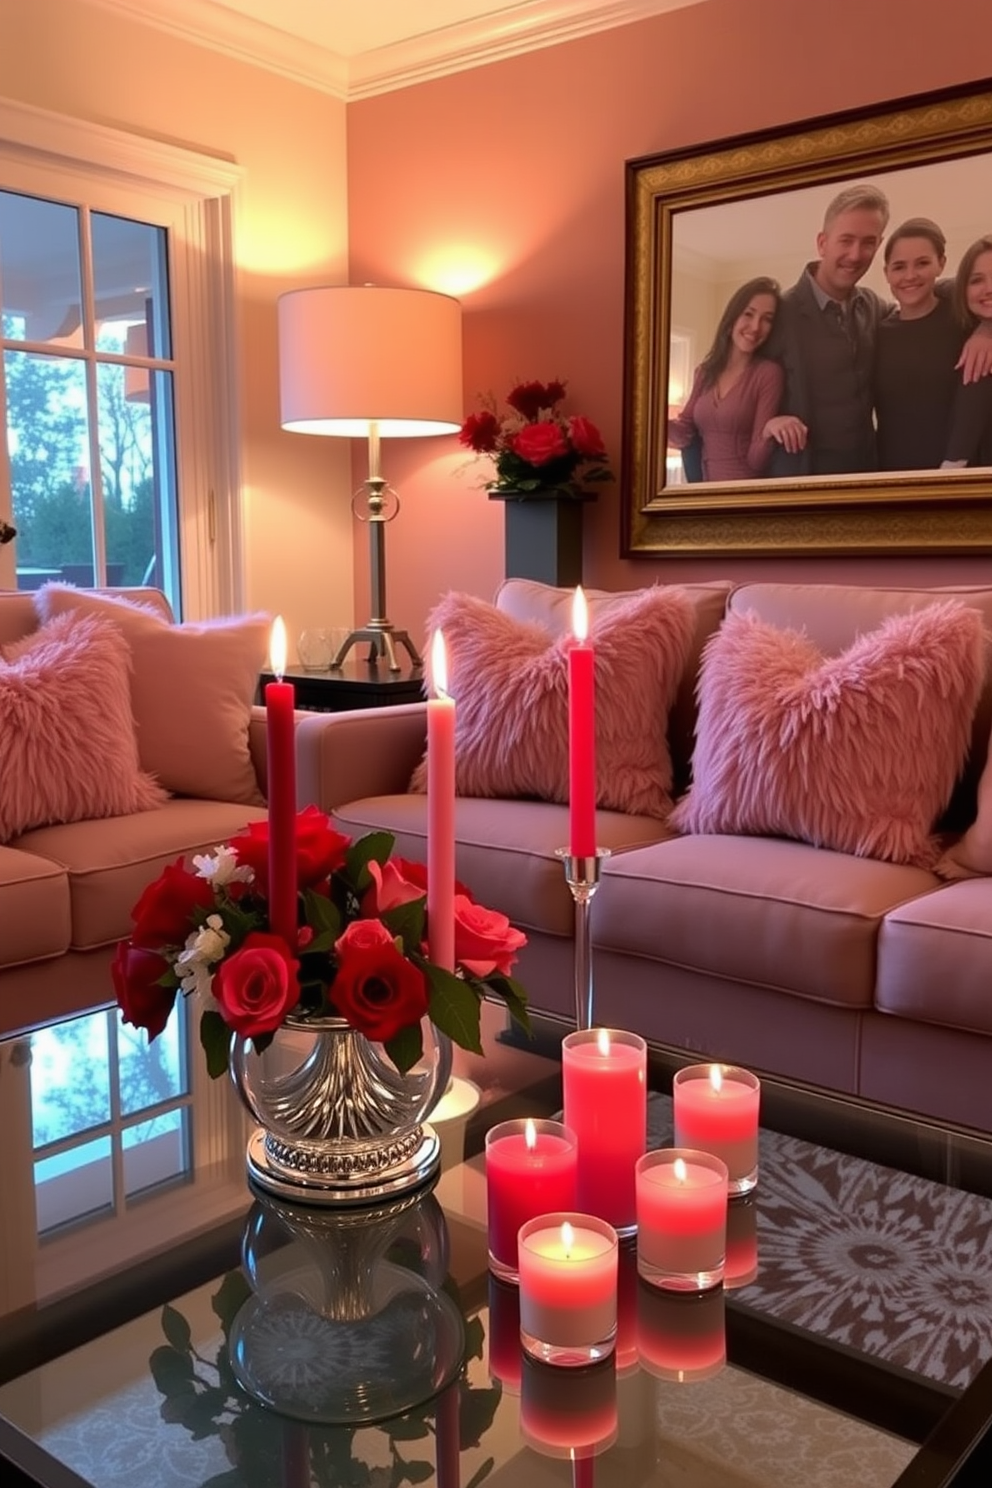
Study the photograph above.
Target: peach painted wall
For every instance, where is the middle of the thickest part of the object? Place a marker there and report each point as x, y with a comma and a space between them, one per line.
290, 231
505, 186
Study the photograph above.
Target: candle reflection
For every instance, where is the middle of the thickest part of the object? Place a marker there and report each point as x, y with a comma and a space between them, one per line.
568, 1414
505, 1352
742, 1243
681, 1336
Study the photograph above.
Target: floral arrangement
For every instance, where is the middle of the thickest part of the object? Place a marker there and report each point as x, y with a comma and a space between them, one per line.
537, 449
360, 955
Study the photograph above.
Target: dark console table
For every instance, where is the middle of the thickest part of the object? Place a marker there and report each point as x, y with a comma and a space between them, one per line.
356, 684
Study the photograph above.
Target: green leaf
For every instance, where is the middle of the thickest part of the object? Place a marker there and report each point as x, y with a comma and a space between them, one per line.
456, 1008
229, 1297
515, 998
215, 1036
406, 1047
171, 1371
323, 916
407, 921
374, 847
176, 1329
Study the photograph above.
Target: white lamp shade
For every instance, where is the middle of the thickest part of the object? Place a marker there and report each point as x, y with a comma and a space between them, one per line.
353, 356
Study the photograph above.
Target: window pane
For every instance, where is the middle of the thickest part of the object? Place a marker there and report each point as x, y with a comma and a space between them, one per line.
70, 1078
137, 467
39, 270
47, 437
129, 280
155, 1152
151, 1073
73, 1185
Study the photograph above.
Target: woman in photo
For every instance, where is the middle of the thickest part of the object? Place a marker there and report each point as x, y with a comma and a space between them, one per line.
926, 417
736, 389
972, 300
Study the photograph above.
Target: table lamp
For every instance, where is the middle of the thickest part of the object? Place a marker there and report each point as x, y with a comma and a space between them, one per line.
368, 362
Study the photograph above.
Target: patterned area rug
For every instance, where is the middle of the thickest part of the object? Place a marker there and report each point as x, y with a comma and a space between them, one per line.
897, 1267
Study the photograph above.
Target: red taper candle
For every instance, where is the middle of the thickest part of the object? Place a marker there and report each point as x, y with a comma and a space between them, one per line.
440, 812
280, 700
581, 735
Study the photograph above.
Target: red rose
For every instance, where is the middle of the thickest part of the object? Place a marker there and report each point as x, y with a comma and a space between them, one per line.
319, 849
143, 1004
586, 438
257, 986
377, 989
539, 443
393, 885
362, 935
480, 432
485, 941
529, 398
163, 916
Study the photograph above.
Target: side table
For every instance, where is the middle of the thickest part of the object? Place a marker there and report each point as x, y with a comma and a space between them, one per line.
356, 684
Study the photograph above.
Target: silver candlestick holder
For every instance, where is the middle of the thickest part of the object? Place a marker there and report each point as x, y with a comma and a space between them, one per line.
582, 876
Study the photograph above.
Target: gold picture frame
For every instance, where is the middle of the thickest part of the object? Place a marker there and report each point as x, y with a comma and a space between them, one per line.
755, 200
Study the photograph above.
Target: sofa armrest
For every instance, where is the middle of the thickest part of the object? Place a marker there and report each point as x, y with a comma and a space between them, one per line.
343, 757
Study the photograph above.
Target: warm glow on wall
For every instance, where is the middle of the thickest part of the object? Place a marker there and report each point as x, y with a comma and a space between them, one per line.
458, 269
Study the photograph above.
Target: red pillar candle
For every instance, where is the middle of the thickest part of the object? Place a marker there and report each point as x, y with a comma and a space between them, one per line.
581, 735
604, 1076
441, 812
281, 776
531, 1169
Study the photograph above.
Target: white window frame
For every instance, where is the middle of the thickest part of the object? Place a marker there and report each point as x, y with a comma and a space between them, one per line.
195, 198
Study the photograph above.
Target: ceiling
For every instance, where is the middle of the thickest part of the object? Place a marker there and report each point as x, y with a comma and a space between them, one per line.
356, 48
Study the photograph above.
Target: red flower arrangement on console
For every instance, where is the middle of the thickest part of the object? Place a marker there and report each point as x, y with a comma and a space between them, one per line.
361, 951
537, 450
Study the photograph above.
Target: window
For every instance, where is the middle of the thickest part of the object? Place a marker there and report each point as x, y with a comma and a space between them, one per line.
116, 381
90, 429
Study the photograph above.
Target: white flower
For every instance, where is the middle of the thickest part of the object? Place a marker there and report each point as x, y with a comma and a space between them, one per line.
222, 867
203, 947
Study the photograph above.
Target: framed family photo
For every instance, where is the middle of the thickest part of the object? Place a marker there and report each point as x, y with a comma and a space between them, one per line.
702, 225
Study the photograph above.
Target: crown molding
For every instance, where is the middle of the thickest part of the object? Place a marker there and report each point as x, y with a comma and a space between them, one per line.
507, 32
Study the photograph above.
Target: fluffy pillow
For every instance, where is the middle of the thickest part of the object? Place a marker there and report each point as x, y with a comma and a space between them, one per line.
67, 745
509, 680
192, 689
857, 752
972, 855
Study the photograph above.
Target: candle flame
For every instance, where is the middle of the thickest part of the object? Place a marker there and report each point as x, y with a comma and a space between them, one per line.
439, 664
567, 1237
278, 647
603, 1041
530, 1134
716, 1078
580, 615
680, 1170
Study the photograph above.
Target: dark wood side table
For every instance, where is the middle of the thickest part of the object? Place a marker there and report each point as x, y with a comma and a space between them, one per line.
356, 684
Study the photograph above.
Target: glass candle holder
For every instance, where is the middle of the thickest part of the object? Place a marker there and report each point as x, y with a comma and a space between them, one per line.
716, 1109
604, 1080
315, 649
568, 1288
531, 1169
681, 1218
681, 1336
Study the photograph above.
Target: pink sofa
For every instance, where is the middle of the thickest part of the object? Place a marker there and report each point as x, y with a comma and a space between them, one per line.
855, 975
66, 891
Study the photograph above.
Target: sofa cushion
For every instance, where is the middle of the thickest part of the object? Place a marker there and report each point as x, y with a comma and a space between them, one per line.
526, 599
857, 752
108, 864
192, 691
509, 680
834, 615
774, 914
67, 744
34, 908
504, 850
935, 958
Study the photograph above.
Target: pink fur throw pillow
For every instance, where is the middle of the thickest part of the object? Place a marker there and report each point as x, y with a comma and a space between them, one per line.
857, 752
192, 689
67, 746
509, 679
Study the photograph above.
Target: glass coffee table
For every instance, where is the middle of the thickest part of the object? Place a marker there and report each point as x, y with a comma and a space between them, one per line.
160, 1324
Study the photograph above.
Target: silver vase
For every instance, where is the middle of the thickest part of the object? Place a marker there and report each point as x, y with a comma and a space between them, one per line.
338, 1123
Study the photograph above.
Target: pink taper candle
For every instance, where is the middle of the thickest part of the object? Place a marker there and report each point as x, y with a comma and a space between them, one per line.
581, 735
281, 754
441, 812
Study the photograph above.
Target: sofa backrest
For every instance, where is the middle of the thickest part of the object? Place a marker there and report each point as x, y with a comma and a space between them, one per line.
834, 615
18, 617
526, 599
